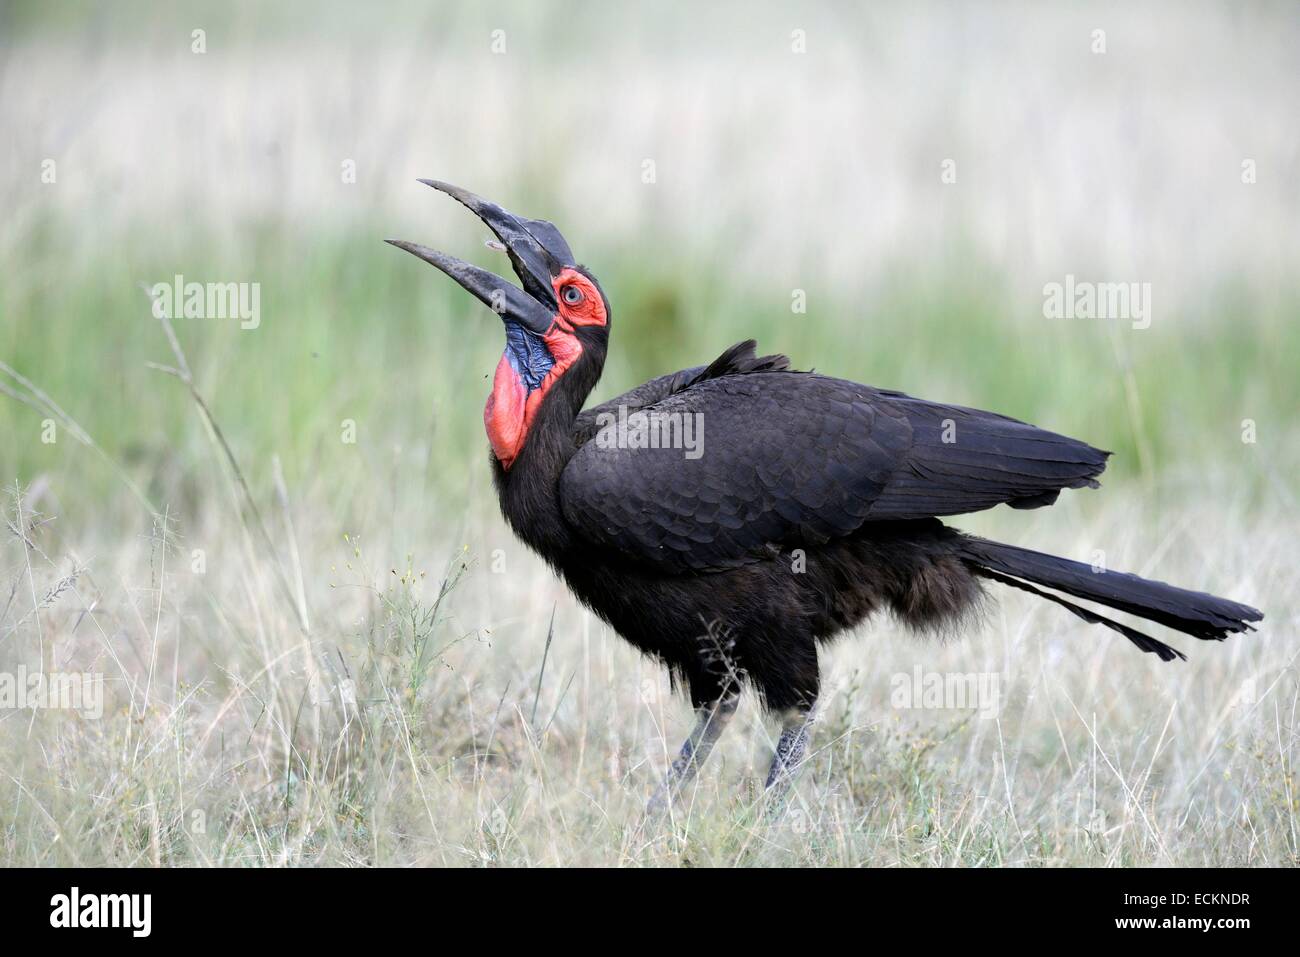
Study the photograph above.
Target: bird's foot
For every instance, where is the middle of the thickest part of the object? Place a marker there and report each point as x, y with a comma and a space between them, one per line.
790, 750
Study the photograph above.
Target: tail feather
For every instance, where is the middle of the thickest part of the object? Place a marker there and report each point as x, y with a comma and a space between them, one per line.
1193, 613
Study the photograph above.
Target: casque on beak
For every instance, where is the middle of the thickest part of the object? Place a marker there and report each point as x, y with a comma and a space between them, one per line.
537, 252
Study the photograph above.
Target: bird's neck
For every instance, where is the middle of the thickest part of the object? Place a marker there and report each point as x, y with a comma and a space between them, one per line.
528, 490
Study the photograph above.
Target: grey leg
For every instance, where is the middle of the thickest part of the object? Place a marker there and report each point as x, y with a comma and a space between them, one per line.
790, 748
710, 722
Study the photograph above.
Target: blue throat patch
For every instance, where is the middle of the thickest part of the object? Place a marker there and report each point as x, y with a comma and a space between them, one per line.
528, 355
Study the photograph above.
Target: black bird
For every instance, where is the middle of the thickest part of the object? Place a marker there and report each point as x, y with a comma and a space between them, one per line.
727, 518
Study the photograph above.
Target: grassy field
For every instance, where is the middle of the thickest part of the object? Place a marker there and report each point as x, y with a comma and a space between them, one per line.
417, 718
323, 651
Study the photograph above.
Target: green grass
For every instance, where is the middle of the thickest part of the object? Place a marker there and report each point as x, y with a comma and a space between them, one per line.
353, 329
413, 722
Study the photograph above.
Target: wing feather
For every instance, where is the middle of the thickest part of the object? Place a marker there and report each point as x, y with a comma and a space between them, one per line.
792, 459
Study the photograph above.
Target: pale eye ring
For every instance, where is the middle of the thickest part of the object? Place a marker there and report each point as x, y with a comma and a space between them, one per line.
572, 295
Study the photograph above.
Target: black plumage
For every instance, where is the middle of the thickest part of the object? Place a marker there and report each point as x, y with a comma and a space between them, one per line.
795, 459
813, 502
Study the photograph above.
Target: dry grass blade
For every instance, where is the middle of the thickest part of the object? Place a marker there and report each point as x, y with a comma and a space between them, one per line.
182, 373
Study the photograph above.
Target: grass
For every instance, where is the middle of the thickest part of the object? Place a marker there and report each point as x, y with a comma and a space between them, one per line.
320, 651
306, 671
399, 731
358, 331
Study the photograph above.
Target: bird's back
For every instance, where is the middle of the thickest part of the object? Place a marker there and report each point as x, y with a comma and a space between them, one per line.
793, 459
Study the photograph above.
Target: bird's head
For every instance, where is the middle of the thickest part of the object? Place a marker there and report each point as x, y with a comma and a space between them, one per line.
558, 321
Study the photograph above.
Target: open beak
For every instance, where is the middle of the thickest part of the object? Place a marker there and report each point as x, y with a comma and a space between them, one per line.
537, 252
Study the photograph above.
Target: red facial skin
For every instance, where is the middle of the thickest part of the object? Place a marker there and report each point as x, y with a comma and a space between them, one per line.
511, 408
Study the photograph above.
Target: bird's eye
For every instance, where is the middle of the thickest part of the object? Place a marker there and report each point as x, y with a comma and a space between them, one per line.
571, 294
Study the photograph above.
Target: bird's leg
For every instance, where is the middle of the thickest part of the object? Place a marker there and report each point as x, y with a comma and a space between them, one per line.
790, 748
710, 721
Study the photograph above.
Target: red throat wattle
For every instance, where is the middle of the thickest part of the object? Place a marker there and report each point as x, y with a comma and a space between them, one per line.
511, 408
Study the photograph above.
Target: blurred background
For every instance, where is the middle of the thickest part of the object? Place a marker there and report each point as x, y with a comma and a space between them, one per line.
772, 171
915, 173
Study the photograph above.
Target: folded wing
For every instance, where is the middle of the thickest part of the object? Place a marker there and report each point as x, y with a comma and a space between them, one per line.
782, 459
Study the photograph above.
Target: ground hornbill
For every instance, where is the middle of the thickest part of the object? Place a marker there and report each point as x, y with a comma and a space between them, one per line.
800, 505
